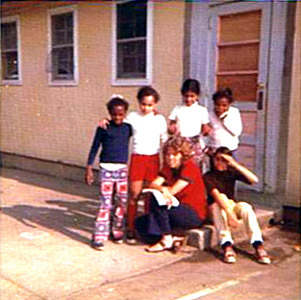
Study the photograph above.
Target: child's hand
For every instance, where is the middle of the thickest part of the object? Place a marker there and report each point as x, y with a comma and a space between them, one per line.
206, 129
172, 128
229, 159
104, 123
166, 194
232, 221
89, 177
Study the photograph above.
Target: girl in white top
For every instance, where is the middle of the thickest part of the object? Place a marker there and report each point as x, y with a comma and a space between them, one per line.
190, 119
225, 122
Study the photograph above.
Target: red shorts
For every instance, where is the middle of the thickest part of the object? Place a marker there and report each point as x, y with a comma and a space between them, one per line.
144, 167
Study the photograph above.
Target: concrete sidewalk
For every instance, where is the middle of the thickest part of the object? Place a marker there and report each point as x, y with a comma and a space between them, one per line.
46, 224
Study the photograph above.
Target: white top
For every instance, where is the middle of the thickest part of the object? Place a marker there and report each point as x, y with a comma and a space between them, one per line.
225, 132
148, 132
189, 119
112, 166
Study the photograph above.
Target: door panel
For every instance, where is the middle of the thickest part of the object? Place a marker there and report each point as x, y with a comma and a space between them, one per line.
238, 60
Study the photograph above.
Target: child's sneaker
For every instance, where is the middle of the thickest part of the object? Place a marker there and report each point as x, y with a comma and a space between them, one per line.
229, 255
117, 237
262, 256
97, 245
130, 238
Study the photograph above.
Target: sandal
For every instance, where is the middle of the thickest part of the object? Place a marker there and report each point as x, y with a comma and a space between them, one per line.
159, 247
229, 255
262, 256
178, 243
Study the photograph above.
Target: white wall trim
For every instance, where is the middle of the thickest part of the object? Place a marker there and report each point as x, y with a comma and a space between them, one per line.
149, 50
16, 19
57, 11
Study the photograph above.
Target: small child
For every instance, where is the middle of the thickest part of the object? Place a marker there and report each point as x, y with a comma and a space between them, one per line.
220, 185
190, 119
225, 122
149, 132
113, 172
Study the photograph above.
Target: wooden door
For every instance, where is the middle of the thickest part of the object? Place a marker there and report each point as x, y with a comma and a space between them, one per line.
238, 60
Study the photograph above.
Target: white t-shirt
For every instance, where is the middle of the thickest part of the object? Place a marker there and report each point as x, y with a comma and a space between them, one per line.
225, 133
189, 118
148, 132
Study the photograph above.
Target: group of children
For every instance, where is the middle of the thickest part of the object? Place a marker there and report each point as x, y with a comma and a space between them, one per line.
148, 130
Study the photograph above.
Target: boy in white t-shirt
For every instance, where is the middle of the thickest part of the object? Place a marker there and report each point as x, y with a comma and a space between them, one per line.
190, 119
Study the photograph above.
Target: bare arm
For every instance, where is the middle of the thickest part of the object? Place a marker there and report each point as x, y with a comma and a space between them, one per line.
222, 201
252, 178
168, 191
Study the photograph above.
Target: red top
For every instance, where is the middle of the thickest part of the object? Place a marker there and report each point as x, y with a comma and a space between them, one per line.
194, 193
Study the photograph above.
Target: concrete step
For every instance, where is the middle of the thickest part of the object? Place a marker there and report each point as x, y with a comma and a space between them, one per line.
206, 237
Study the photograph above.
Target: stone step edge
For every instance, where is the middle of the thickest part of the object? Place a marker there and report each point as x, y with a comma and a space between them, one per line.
206, 237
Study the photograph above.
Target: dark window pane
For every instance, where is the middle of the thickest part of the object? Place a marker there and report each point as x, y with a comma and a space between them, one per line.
62, 63
62, 29
9, 36
131, 19
131, 59
10, 66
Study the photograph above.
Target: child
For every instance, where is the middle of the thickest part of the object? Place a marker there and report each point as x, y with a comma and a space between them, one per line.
149, 131
113, 171
225, 122
190, 119
220, 185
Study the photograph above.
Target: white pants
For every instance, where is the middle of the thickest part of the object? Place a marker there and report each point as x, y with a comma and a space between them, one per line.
244, 212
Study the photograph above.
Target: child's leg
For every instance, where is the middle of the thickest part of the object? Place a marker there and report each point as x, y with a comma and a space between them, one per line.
245, 212
135, 190
102, 223
120, 207
220, 222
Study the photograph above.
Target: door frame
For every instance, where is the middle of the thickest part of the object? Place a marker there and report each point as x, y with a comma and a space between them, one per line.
199, 68
259, 141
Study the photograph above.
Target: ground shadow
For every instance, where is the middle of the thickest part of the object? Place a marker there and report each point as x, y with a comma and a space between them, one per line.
75, 219
71, 187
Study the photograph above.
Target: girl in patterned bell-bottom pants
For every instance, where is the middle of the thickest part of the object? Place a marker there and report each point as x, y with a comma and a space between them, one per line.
110, 216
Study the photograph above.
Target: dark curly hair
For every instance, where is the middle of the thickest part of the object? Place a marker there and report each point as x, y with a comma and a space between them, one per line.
223, 93
117, 101
179, 145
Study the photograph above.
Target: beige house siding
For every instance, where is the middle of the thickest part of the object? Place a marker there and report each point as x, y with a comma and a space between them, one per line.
293, 184
57, 123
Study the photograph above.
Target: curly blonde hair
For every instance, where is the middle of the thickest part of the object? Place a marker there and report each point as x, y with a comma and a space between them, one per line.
179, 145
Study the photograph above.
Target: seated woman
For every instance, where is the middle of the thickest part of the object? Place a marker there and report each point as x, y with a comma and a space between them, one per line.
180, 177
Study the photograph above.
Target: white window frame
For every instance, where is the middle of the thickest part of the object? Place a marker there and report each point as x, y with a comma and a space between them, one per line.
58, 11
149, 47
19, 80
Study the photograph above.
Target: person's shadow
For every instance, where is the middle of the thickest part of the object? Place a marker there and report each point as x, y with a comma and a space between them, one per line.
74, 219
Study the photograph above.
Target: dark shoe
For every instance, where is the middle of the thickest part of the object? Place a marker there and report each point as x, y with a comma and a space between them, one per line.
117, 237
97, 245
131, 238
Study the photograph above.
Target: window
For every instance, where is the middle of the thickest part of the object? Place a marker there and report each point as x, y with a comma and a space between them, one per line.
62, 57
132, 43
10, 53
